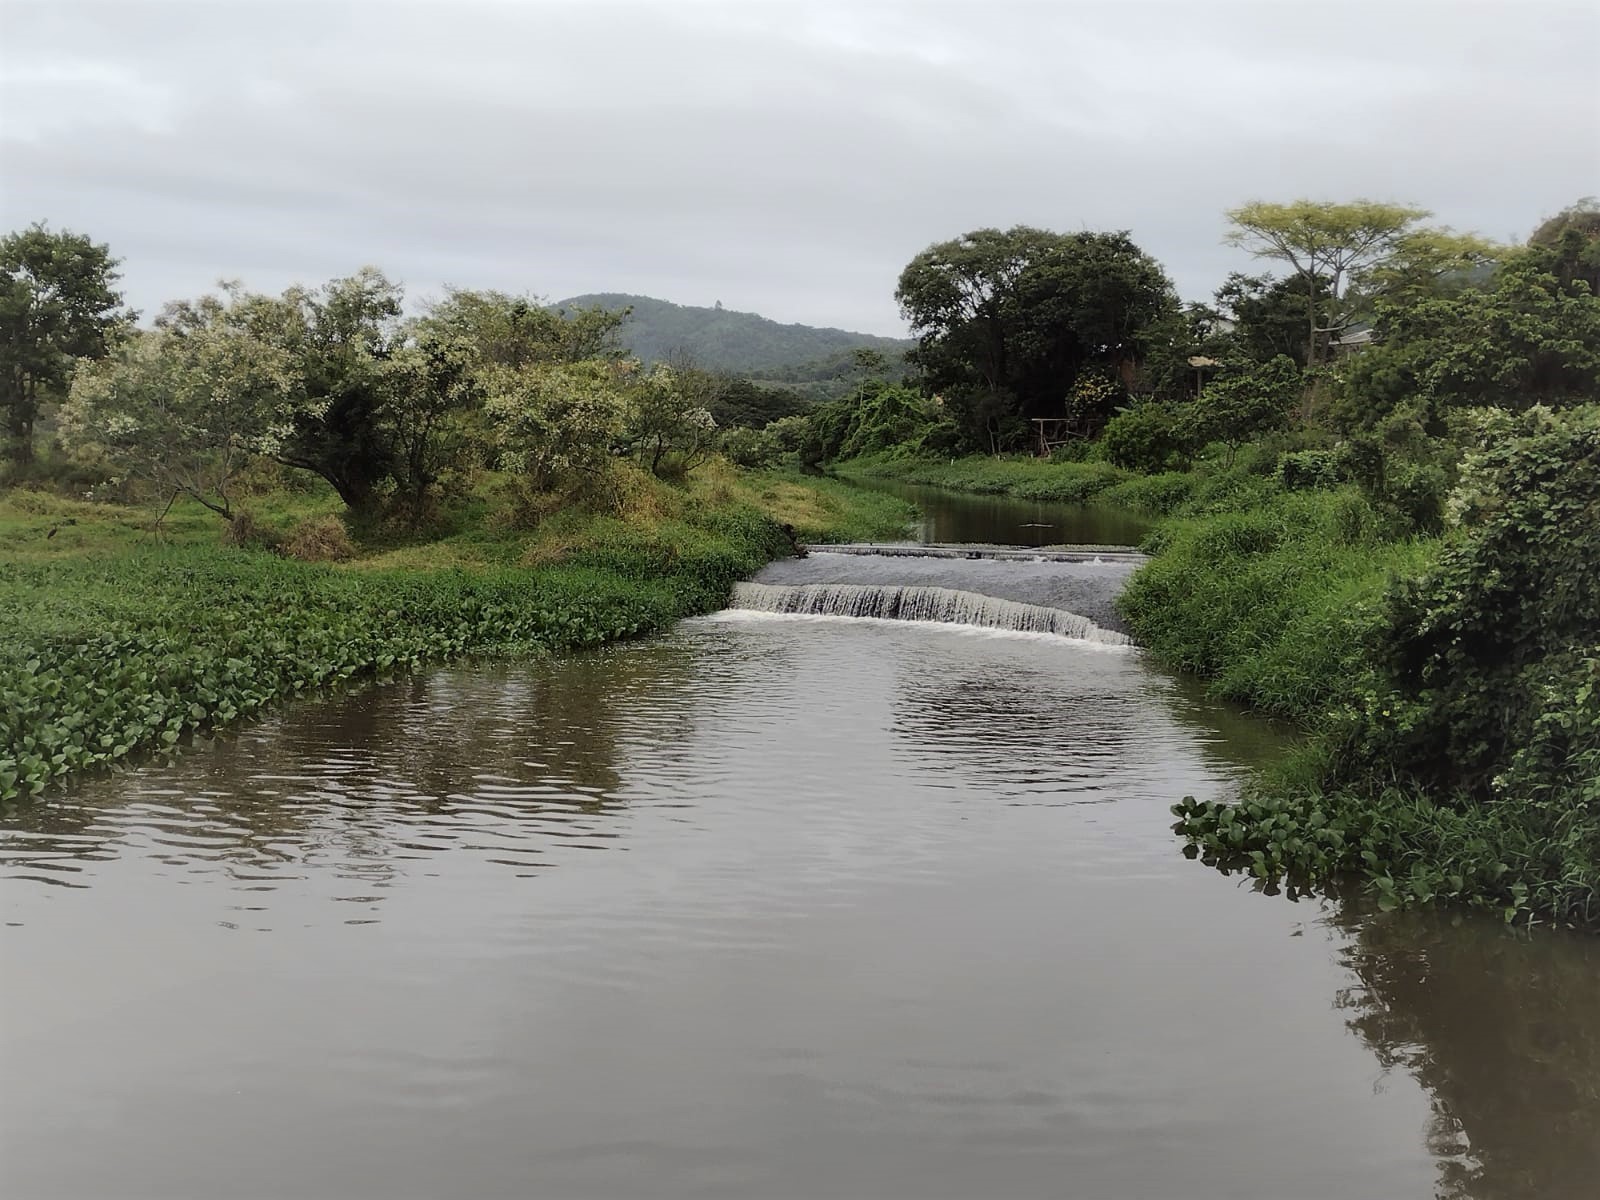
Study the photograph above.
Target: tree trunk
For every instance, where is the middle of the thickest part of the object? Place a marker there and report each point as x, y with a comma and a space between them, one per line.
19, 433
1311, 317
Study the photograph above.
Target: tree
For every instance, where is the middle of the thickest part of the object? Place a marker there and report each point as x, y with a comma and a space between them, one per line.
868, 364
1330, 247
1240, 408
752, 405
666, 425
557, 425
1569, 243
58, 304
429, 389
185, 406
338, 337
1270, 316
513, 331
1528, 338
1007, 320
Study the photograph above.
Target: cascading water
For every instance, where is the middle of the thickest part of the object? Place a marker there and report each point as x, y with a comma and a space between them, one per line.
916, 603
1025, 593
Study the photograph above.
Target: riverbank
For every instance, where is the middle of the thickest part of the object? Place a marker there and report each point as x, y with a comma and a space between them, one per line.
1034, 479
1446, 682
117, 639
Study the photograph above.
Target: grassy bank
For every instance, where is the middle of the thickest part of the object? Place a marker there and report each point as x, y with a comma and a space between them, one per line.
117, 639
1029, 478
1448, 684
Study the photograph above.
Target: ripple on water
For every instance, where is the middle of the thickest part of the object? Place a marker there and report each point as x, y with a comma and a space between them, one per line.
763, 908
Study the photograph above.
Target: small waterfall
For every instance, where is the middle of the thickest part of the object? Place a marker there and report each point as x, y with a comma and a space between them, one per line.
918, 604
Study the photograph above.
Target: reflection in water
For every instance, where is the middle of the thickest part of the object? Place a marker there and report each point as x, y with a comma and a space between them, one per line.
945, 516
767, 908
1503, 1029
502, 763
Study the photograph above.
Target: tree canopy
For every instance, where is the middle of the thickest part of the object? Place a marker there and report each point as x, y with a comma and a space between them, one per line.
1329, 247
1008, 320
58, 303
184, 406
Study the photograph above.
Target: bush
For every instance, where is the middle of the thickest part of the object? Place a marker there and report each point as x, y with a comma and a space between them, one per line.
1304, 469
1472, 649
1158, 495
1147, 437
1269, 602
1458, 713
754, 448
318, 539
109, 656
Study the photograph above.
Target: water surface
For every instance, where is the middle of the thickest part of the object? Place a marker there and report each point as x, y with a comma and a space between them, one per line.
767, 908
946, 516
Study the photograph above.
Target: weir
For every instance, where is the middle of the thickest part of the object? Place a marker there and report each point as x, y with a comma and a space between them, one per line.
978, 550
1023, 593
913, 603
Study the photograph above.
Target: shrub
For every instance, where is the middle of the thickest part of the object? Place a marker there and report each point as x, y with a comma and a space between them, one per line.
318, 539
753, 448
1147, 437
1269, 602
1156, 494
1303, 469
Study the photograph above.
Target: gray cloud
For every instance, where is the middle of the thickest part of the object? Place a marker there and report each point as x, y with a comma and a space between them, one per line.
786, 158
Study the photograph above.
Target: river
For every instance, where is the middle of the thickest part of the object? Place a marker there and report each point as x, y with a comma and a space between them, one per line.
946, 516
769, 907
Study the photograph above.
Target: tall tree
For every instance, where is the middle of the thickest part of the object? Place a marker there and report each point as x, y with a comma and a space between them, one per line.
1330, 247
1008, 319
339, 337
58, 304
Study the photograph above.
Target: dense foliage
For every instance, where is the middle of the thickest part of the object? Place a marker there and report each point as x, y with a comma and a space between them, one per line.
58, 304
1381, 479
102, 658
113, 645
1011, 320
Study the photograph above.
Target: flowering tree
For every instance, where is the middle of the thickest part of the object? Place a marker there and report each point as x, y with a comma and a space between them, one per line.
185, 406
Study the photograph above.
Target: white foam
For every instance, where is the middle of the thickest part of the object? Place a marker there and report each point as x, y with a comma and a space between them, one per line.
935, 605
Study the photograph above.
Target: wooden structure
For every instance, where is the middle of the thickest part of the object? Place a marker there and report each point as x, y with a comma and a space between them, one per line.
1056, 431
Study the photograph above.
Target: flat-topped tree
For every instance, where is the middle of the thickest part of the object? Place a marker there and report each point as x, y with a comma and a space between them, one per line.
1330, 247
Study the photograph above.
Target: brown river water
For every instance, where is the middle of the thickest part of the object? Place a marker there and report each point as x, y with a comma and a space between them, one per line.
769, 907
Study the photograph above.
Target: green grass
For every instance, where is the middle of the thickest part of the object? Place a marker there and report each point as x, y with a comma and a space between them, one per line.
1274, 605
1026, 478
117, 640
1278, 600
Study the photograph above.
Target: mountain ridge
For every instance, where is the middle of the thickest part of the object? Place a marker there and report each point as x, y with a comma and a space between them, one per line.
723, 339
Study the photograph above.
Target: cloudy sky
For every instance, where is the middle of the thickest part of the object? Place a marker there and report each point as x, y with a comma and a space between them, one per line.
786, 158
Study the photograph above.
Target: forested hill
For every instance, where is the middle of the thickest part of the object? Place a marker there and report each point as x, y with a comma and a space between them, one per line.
719, 339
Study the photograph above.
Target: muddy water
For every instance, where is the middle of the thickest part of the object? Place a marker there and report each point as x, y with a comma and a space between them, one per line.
771, 907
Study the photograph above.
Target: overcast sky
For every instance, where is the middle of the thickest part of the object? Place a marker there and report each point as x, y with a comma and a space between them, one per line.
781, 158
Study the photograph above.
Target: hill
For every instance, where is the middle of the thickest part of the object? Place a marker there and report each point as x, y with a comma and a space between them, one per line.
739, 343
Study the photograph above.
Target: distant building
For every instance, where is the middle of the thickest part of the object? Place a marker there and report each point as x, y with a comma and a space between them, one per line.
1355, 337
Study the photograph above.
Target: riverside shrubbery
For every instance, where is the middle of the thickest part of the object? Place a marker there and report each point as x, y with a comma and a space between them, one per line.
1456, 706
116, 655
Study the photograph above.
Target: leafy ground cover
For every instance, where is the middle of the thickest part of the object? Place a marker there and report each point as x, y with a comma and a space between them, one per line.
117, 640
